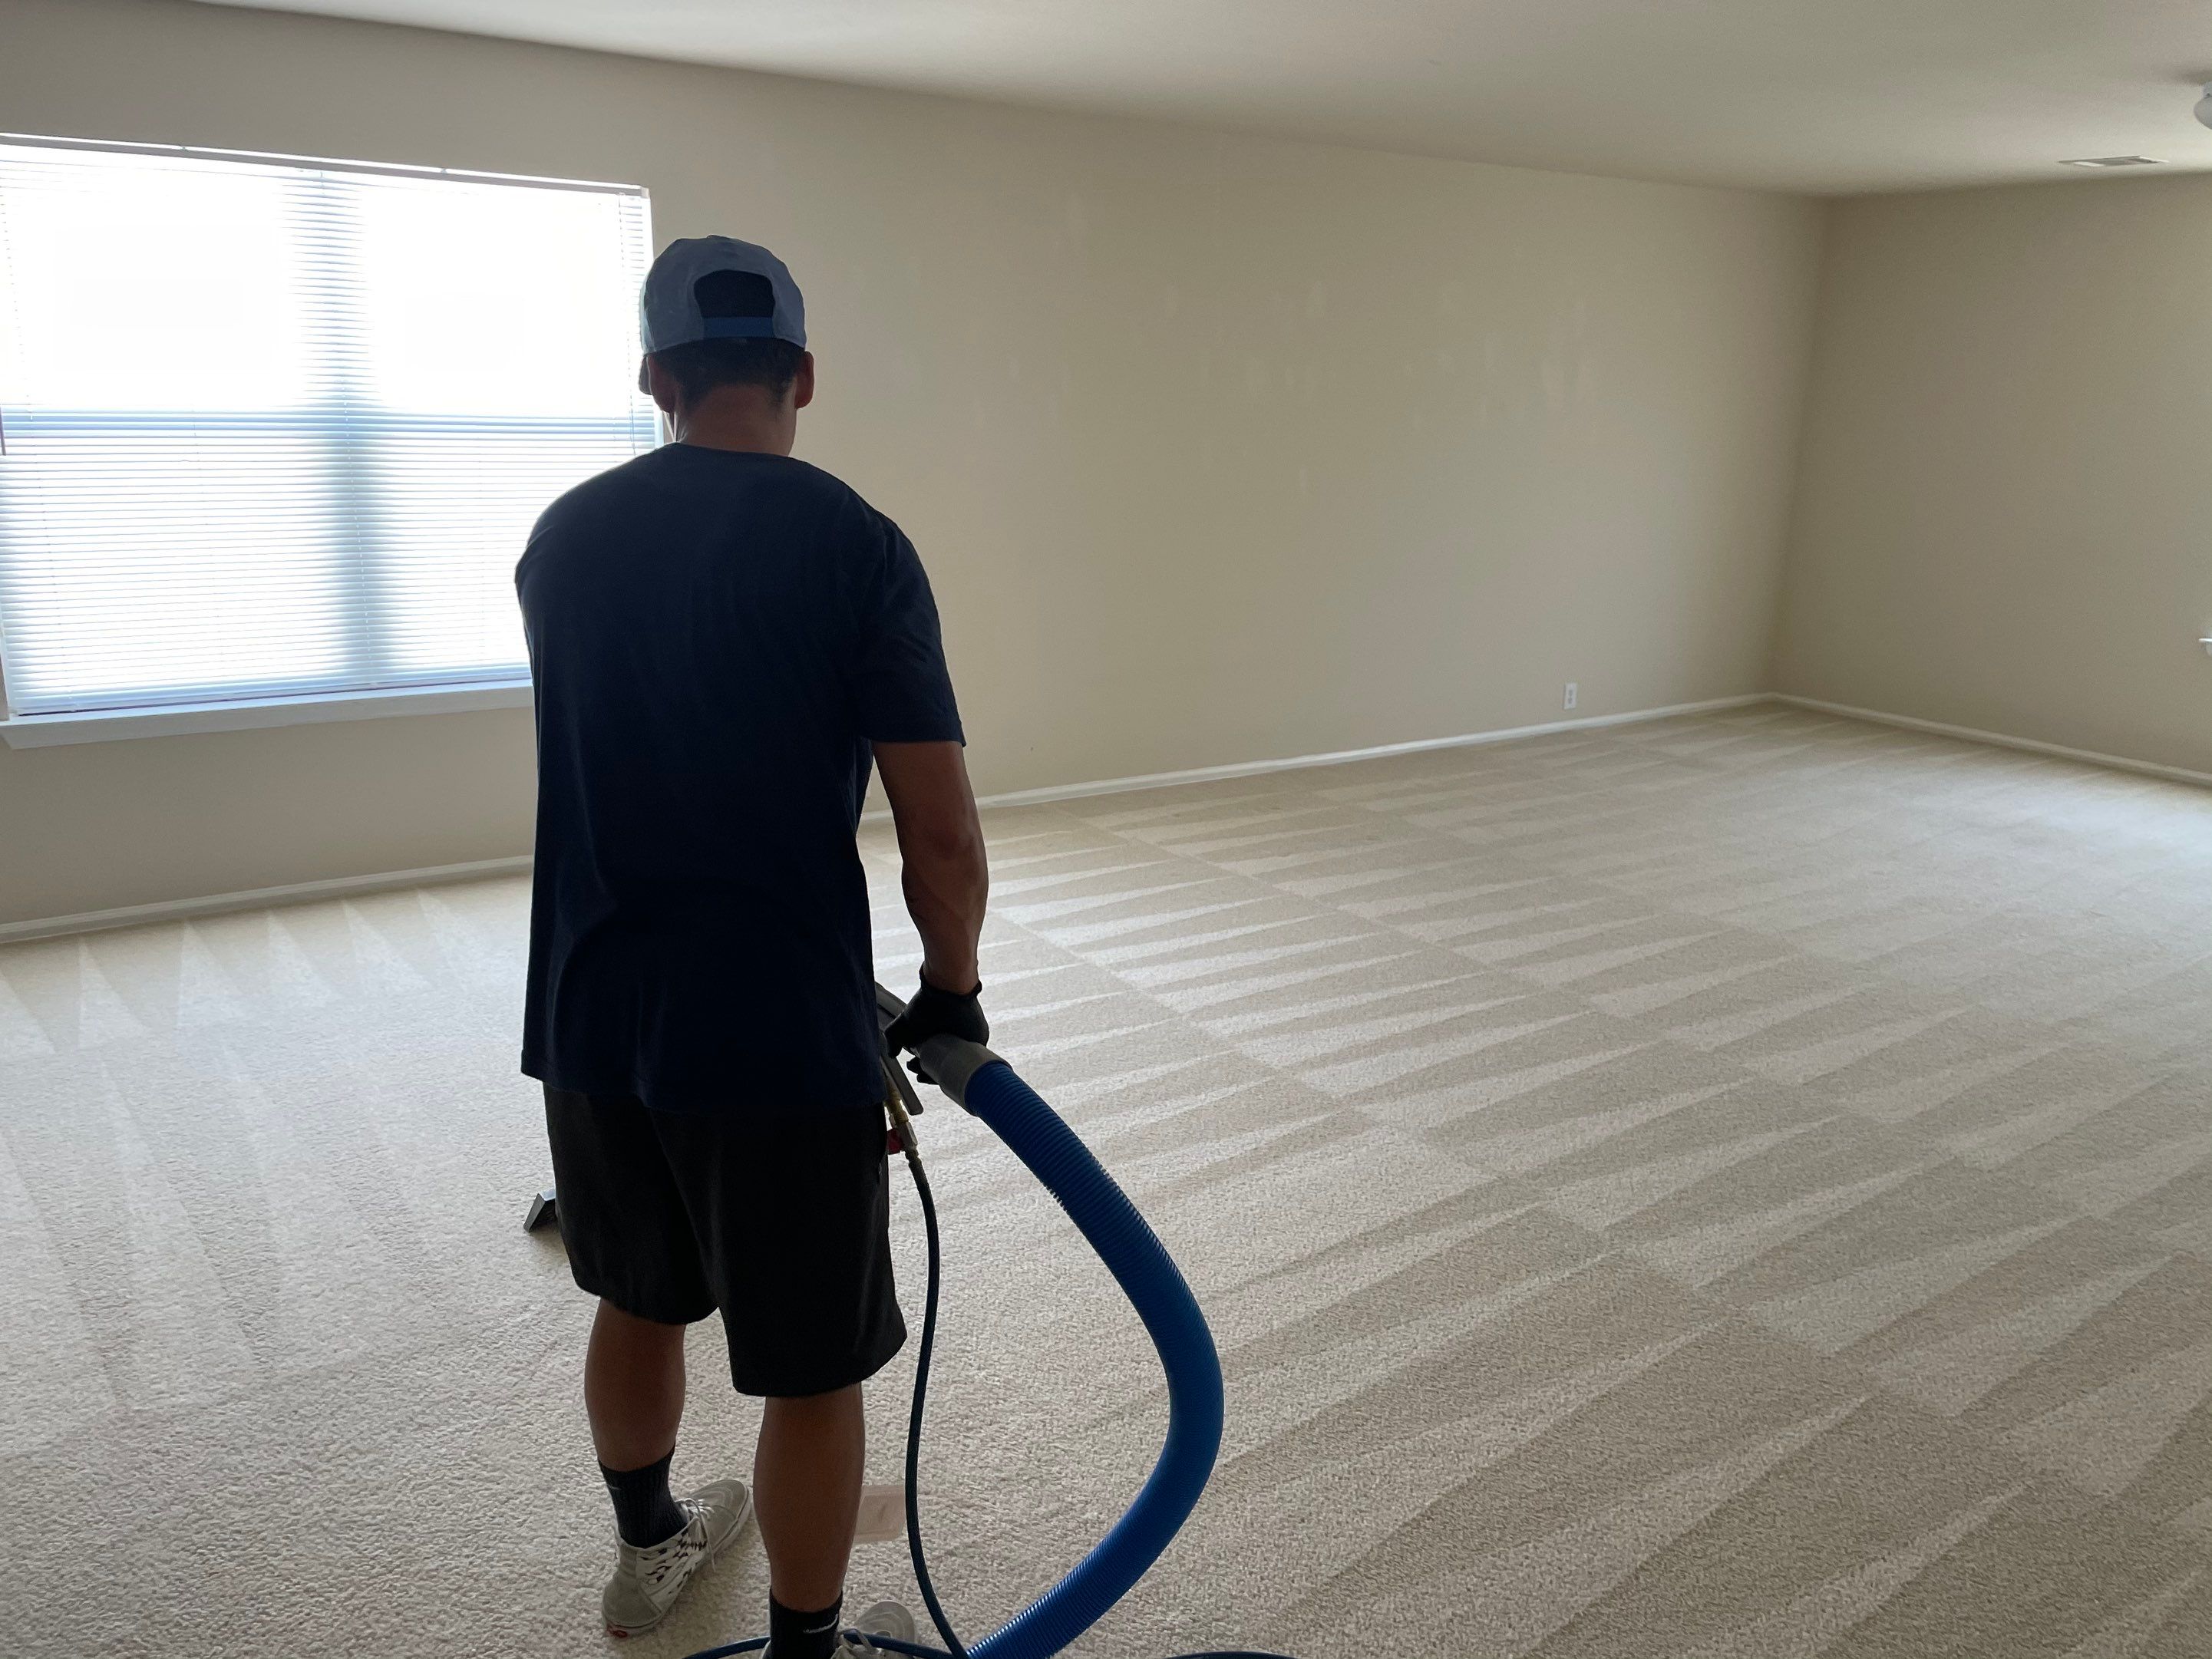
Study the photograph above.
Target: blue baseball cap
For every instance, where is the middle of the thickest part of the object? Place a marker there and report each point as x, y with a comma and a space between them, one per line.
669, 309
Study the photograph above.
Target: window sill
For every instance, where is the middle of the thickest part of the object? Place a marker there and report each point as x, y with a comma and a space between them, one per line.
176, 720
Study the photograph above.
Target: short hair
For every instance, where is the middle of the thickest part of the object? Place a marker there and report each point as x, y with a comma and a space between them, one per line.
702, 366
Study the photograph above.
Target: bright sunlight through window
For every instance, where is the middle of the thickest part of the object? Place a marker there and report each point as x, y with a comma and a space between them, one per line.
279, 429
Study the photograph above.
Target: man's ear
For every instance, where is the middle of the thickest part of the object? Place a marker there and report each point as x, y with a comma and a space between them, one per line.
657, 383
802, 384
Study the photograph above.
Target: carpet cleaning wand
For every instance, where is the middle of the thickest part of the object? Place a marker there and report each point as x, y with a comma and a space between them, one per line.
986, 1086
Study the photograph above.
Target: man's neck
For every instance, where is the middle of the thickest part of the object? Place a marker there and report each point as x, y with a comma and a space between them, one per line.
740, 418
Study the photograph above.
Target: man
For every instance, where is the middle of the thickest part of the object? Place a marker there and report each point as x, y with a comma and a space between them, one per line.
721, 637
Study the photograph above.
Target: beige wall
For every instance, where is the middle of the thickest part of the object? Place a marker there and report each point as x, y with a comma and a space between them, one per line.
1217, 448
2004, 519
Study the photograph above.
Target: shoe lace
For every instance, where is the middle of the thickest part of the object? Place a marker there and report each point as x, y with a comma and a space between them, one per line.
676, 1553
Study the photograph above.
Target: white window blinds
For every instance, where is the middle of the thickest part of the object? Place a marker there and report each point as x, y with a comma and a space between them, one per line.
276, 428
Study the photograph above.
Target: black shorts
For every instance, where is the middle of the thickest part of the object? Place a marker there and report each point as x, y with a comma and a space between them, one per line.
783, 1223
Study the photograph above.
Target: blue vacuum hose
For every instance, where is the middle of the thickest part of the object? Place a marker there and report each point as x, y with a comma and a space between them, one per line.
983, 1083
1155, 1287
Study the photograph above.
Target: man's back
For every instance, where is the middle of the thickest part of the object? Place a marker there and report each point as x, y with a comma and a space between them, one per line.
716, 636
722, 639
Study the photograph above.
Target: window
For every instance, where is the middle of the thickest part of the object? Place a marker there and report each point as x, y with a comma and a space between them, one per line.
279, 429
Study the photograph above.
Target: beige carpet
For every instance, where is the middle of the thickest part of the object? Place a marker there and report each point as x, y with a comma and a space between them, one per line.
1738, 1186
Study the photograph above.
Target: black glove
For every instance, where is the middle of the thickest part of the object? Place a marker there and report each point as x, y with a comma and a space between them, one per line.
937, 1013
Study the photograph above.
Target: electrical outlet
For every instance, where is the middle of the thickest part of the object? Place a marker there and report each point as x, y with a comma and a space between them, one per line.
1573, 692
882, 1515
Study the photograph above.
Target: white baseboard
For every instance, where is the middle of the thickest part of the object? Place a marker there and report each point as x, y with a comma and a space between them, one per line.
1339, 756
133, 916
2002, 740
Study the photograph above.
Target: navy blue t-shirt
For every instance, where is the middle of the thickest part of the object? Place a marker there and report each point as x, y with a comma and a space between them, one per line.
715, 637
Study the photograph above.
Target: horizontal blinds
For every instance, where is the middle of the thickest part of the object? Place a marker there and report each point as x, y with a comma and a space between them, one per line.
276, 428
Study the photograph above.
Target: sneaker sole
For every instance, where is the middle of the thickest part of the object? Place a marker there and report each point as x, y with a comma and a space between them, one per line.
623, 1632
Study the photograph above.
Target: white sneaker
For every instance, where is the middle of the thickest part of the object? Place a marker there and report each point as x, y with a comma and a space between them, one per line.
884, 1618
647, 1580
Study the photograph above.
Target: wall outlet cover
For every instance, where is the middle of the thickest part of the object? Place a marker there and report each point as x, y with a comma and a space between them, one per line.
882, 1515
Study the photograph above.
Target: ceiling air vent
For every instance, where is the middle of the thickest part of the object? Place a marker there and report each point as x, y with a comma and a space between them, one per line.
2115, 161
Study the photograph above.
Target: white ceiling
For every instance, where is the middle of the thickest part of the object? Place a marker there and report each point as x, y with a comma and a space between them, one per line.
1826, 95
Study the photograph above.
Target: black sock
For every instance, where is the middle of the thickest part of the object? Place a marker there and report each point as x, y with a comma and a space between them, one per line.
803, 1635
646, 1511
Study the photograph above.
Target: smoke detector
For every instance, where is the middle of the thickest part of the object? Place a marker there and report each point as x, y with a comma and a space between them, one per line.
2126, 160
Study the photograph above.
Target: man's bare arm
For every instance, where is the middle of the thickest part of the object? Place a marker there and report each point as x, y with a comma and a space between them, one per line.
946, 875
